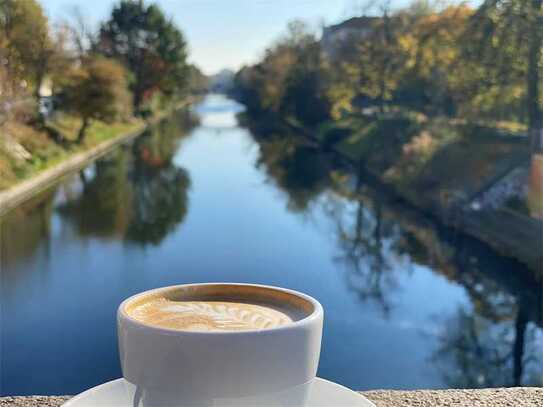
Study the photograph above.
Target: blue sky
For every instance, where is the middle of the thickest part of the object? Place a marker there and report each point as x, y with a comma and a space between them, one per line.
227, 33
223, 33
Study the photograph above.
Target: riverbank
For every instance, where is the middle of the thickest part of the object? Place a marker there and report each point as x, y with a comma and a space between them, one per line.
24, 190
467, 176
518, 397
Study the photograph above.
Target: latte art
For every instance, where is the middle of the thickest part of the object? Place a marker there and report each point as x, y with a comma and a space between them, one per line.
209, 315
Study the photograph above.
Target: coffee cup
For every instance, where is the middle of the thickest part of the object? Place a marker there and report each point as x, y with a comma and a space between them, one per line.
220, 344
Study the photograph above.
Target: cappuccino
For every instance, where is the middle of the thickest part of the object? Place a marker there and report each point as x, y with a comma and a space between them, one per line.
212, 315
220, 344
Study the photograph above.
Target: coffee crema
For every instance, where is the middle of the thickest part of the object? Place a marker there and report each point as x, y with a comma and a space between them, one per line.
227, 315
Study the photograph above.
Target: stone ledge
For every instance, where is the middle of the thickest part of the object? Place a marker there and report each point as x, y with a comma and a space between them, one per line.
514, 397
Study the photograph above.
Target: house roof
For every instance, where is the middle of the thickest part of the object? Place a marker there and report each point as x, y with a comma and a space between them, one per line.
353, 23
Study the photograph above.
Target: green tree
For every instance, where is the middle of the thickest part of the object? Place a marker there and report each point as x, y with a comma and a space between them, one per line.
149, 45
97, 90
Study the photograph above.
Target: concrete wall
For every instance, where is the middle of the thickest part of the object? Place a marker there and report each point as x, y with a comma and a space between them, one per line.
514, 397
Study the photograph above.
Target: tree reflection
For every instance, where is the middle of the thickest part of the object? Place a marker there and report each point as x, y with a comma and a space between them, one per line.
299, 169
476, 352
362, 236
136, 193
103, 208
160, 200
20, 243
491, 342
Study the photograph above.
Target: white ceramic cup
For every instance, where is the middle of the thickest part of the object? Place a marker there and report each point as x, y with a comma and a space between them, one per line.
270, 367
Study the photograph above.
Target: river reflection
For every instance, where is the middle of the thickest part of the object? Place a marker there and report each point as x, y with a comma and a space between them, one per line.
409, 304
497, 341
136, 193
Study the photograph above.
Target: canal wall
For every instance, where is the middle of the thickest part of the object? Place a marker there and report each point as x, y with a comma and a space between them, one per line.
509, 233
517, 397
459, 189
26, 189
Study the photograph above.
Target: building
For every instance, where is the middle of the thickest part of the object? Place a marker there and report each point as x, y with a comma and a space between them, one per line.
335, 36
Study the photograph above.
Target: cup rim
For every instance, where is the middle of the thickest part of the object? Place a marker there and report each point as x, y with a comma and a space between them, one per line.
317, 312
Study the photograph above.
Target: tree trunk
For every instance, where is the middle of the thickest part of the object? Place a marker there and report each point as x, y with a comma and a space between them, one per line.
535, 115
83, 130
137, 99
518, 346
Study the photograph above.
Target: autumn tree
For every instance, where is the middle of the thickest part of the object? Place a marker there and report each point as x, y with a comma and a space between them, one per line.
510, 34
150, 47
304, 96
262, 86
434, 80
96, 90
289, 81
382, 59
509, 38
28, 46
369, 66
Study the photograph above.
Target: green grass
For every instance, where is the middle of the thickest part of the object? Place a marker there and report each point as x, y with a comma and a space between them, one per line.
97, 132
433, 162
45, 153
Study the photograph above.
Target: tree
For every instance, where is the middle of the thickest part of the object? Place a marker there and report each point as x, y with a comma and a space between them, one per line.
304, 96
29, 47
382, 59
369, 65
198, 81
516, 26
151, 47
435, 81
289, 79
96, 90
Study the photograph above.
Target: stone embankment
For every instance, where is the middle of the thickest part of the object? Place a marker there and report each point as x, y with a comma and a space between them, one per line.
513, 397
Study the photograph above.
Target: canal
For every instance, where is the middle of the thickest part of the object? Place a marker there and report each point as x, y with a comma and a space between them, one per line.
198, 198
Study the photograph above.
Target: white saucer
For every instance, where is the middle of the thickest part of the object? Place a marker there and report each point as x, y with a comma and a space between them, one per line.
323, 394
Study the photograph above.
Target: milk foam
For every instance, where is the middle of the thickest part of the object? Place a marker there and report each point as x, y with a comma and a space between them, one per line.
209, 315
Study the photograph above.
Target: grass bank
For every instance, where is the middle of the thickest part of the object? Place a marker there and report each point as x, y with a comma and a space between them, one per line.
443, 167
435, 164
30, 160
25, 151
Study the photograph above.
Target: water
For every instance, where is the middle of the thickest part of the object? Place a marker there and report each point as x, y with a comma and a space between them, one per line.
408, 304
